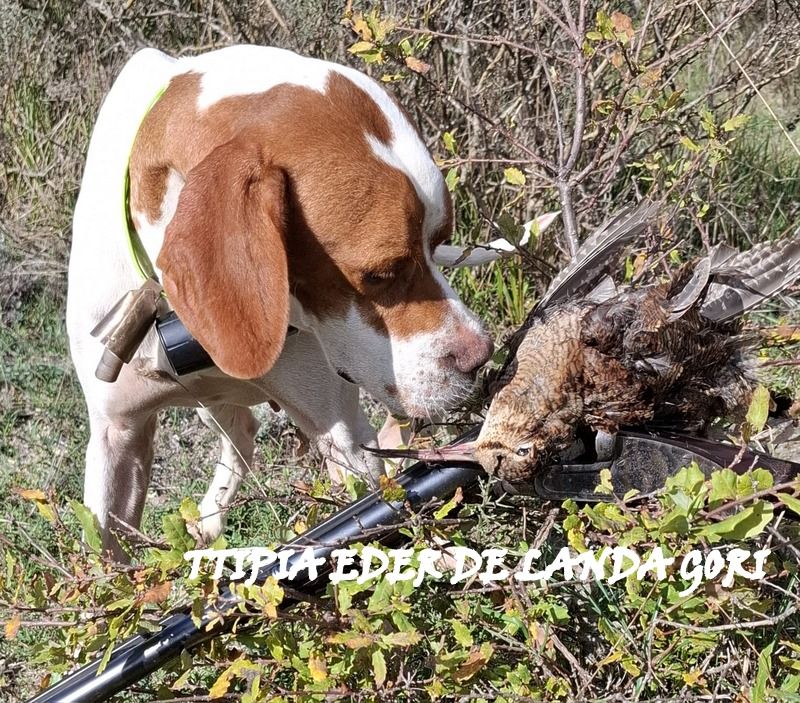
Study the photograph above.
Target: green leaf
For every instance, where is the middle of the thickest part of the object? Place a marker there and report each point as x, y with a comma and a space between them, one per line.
379, 667
687, 143
790, 502
252, 694
391, 490
762, 674
673, 99
758, 411
570, 506
675, 522
88, 521
514, 176
221, 685
361, 46
723, 486
106, 657
762, 479
509, 228
630, 666
188, 668
401, 639
752, 482
451, 179
604, 487
689, 478
789, 689
462, 634
449, 142
351, 639
355, 487
628, 269
189, 511
175, 533
631, 494
707, 123
449, 506
745, 524
736, 122
380, 600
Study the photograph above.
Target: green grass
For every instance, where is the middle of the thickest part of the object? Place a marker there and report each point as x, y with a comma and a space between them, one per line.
758, 188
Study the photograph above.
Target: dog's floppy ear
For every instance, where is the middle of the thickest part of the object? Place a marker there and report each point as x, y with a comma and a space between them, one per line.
223, 260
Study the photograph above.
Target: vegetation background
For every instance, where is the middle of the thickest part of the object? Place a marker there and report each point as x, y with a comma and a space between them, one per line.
530, 106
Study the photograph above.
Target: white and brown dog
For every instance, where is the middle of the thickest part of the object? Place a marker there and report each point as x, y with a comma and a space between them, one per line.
270, 190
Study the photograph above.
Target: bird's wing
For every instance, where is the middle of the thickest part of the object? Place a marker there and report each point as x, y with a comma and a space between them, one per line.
742, 280
605, 290
678, 305
588, 271
597, 255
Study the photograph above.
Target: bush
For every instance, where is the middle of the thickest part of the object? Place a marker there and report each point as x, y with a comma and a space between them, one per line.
568, 638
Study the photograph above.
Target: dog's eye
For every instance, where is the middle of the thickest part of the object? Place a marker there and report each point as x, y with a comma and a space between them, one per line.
376, 278
523, 450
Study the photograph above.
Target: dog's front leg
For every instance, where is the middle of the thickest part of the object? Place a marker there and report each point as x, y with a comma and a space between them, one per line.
119, 457
236, 427
342, 444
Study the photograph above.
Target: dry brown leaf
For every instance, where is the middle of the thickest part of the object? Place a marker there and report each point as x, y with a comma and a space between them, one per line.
31, 494
477, 659
417, 65
157, 594
11, 627
623, 25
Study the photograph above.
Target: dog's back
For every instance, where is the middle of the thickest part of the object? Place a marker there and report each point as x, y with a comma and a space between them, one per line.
100, 265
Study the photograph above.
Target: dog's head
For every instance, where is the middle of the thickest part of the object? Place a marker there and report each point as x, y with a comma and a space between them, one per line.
321, 209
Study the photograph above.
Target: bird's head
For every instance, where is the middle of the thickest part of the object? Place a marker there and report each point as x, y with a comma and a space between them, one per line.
520, 434
517, 438
513, 463
510, 445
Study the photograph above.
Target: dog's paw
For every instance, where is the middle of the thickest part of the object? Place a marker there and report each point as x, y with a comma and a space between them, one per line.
345, 459
212, 521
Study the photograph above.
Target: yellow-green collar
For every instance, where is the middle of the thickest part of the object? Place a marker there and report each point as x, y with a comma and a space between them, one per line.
141, 261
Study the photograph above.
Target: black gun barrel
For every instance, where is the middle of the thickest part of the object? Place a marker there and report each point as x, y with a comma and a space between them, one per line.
141, 655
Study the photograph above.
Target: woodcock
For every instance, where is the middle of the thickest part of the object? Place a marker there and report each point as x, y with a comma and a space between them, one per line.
591, 354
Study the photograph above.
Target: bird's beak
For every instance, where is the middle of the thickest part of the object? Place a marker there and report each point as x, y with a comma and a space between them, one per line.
452, 452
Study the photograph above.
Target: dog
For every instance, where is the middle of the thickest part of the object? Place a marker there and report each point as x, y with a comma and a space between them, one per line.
270, 192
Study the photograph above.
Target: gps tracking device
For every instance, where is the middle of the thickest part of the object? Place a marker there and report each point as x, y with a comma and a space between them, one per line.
184, 353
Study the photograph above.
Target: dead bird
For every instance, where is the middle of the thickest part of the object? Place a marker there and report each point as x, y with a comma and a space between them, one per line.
670, 354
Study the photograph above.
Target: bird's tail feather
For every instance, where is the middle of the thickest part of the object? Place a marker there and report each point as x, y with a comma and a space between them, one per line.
740, 281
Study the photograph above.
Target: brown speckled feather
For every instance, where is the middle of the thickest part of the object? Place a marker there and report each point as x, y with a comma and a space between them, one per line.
668, 354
